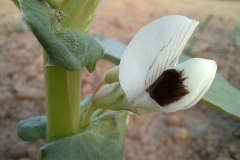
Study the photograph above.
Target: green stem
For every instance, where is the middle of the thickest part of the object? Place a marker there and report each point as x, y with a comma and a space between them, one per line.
63, 92
82, 13
90, 110
63, 88
97, 113
87, 116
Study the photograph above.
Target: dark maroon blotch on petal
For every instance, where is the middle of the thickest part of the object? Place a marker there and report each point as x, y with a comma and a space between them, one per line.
168, 88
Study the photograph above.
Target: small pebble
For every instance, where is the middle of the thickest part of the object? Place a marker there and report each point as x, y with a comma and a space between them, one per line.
25, 158
173, 121
210, 150
232, 149
181, 135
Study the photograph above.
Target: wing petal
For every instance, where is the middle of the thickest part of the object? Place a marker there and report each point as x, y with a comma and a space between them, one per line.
198, 75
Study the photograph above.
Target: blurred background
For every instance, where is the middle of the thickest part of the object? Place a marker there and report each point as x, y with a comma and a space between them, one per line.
199, 133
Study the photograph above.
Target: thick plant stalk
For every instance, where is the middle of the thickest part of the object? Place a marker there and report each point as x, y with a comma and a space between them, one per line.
62, 101
63, 88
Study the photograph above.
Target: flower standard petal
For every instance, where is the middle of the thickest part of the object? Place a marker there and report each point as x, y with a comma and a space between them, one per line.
154, 48
183, 85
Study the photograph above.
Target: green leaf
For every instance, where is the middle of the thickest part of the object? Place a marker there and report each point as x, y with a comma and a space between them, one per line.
236, 33
113, 50
91, 68
103, 139
69, 49
99, 36
32, 129
221, 95
196, 34
205, 23
16, 3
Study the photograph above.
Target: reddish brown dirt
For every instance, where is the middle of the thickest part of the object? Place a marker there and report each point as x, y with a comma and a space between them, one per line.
200, 133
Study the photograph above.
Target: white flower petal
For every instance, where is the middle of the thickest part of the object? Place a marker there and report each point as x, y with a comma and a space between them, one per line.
145, 102
199, 74
154, 48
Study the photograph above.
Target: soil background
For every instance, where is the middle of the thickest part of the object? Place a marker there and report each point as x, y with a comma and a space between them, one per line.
199, 133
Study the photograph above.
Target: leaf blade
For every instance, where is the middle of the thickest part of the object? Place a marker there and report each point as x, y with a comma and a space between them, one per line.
69, 49
32, 128
103, 139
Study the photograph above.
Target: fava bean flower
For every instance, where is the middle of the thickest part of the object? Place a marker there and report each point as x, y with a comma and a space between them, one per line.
148, 72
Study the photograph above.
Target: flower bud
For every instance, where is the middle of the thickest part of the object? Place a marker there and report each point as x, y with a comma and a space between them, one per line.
112, 97
112, 75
